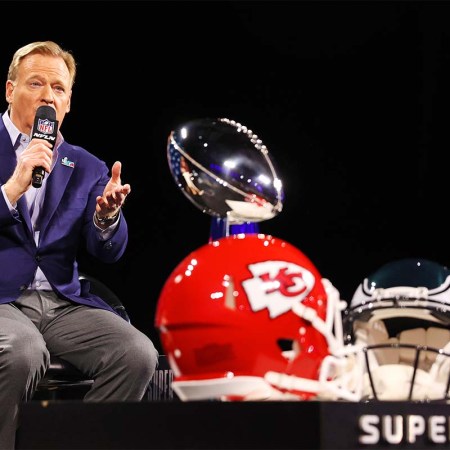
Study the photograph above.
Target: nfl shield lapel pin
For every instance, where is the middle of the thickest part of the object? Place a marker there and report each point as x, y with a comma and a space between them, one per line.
68, 163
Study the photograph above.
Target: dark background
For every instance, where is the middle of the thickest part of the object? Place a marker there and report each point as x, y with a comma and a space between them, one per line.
351, 99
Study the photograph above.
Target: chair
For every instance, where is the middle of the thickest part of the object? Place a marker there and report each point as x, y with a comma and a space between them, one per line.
62, 380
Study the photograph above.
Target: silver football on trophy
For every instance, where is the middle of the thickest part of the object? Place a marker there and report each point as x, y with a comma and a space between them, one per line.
225, 170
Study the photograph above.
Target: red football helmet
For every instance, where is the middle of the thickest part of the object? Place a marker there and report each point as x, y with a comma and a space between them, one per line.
249, 317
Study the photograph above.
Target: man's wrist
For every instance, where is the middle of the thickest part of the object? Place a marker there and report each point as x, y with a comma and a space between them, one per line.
12, 193
106, 221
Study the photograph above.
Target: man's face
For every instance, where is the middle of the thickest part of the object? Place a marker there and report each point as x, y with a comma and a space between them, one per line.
41, 80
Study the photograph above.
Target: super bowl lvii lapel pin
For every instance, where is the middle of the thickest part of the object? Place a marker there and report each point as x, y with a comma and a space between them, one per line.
67, 162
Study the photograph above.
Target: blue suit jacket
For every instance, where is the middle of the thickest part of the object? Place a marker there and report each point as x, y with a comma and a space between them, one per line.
66, 221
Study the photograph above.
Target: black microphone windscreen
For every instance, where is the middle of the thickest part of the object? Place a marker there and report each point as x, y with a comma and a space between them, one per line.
46, 112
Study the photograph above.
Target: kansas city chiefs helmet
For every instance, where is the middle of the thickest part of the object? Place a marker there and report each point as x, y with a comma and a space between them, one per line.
249, 317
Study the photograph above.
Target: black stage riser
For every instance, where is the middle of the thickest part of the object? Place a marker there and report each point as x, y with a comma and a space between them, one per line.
216, 425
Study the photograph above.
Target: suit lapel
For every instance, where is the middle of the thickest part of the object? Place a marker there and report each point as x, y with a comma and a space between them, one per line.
57, 183
23, 210
7, 155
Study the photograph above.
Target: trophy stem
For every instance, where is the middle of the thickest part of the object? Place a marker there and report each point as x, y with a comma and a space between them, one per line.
221, 227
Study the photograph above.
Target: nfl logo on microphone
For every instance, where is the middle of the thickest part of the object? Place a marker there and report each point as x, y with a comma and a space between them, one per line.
45, 126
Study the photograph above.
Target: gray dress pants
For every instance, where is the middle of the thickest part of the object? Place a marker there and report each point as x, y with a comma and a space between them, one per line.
120, 358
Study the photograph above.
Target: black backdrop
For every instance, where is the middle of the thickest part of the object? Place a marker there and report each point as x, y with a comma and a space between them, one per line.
351, 98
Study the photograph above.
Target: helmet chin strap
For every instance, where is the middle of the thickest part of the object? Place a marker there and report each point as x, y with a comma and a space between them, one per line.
335, 381
341, 377
335, 306
338, 379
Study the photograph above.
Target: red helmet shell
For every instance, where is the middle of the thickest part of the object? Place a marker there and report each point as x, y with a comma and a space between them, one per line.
226, 310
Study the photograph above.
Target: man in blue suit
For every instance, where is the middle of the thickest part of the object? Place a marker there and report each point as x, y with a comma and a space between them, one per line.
43, 308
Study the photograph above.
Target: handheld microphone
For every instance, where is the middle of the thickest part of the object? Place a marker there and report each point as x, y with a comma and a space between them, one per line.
45, 127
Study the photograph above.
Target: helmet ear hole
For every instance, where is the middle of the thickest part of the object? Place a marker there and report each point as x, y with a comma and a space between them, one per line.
285, 344
288, 348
